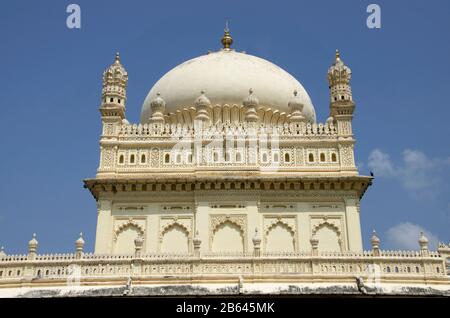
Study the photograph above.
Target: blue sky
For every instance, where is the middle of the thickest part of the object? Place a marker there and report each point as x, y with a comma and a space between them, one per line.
51, 86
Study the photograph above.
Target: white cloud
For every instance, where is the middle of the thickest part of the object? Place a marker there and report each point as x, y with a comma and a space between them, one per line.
406, 235
420, 175
380, 163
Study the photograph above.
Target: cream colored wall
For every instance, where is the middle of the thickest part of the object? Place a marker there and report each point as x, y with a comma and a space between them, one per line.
228, 225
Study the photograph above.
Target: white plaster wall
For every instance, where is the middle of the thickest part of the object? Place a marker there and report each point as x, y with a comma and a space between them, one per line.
302, 217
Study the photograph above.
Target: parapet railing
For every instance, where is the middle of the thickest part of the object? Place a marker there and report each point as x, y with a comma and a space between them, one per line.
236, 129
79, 265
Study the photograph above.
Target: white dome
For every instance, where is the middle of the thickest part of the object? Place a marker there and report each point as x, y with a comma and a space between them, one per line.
226, 77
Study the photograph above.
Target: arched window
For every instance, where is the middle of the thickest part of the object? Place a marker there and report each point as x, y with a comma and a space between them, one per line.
264, 157
178, 158
238, 157
216, 157
132, 159
322, 157
227, 156
189, 158
311, 157
333, 157
276, 158
143, 159
167, 158
121, 159
287, 157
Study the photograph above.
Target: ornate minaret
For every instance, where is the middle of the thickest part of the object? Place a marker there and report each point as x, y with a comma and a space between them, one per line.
115, 80
341, 111
112, 109
341, 102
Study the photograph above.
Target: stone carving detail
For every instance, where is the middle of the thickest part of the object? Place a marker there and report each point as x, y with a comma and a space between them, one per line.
272, 221
167, 223
238, 219
154, 158
333, 222
326, 222
347, 158
108, 158
130, 223
299, 156
108, 129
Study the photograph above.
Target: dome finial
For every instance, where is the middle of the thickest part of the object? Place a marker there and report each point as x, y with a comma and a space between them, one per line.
227, 40
338, 55
117, 59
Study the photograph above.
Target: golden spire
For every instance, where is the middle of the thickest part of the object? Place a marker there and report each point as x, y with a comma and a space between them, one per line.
338, 55
227, 40
117, 59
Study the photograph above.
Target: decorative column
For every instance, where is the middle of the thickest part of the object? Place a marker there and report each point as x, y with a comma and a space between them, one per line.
314, 245
32, 247
250, 104
158, 106
202, 106
423, 243
296, 108
256, 244
197, 244
2, 252
138, 243
79, 245
375, 244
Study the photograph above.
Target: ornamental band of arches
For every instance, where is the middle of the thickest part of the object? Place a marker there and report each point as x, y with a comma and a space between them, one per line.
228, 234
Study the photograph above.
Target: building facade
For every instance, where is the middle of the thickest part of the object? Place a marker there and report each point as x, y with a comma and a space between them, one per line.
228, 184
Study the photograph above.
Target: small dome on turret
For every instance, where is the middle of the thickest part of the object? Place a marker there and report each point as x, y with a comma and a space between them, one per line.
80, 241
116, 71
339, 73
251, 99
374, 239
296, 102
158, 102
423, 239
202, 100
33, 242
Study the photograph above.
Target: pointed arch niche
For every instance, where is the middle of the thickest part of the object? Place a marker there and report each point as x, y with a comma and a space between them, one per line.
228, 233
280, 237
125, 235
175, 238
329, 236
